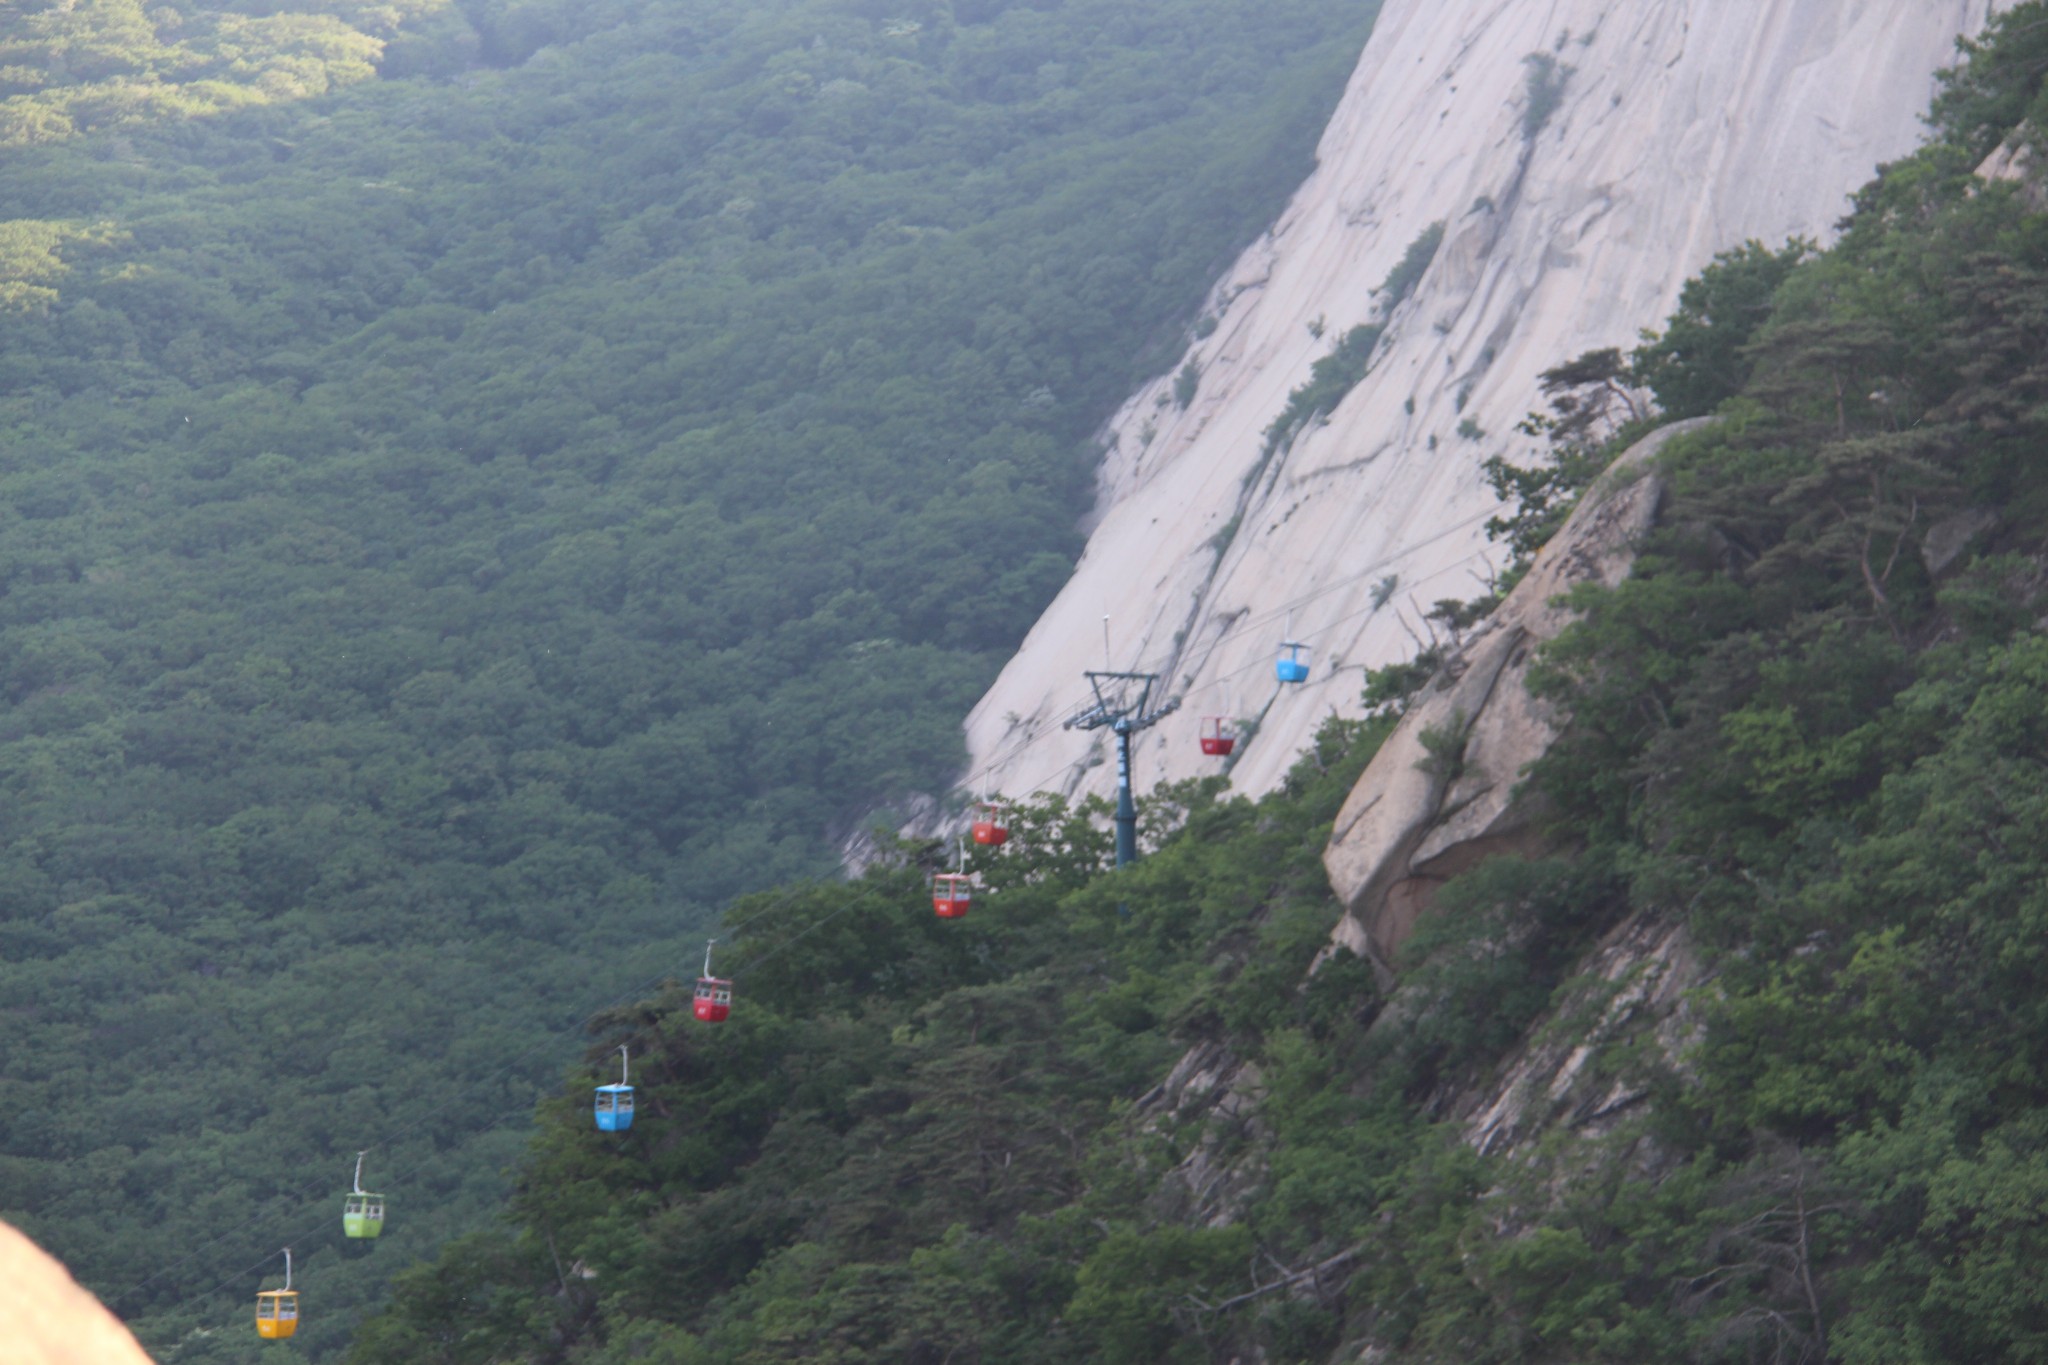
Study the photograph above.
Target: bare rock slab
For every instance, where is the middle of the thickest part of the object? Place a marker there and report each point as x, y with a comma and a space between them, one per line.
1443, 792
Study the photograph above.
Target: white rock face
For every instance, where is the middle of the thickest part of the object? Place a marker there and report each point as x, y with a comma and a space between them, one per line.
1684, 128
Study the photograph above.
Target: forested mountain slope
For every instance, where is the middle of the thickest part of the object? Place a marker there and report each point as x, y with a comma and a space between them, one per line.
1115, 1117
465, 518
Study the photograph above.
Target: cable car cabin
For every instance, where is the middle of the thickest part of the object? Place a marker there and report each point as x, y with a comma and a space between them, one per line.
1290, 667
614, 1108
990, 829
362, 1211
277, 1313
362, 1215
714, 999
1218, 739
952, 893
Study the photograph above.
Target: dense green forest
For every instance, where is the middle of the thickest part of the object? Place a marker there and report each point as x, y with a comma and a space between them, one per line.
485, 482
1812, 729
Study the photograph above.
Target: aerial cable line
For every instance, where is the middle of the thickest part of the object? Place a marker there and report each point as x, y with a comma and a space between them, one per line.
306, 1198
1095, 717
308, 1194
309, 1225
1023, 743
1283, 610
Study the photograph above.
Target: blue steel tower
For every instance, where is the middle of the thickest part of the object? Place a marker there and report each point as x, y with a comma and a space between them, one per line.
1123, 704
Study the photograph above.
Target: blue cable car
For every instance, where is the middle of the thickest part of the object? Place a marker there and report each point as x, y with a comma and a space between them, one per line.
615, 1102
1290, 667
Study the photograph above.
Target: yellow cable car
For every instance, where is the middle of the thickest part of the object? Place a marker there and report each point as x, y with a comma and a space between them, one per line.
277, 1310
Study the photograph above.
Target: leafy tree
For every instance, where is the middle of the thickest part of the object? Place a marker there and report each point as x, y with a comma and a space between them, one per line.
1996, 89
1698, 361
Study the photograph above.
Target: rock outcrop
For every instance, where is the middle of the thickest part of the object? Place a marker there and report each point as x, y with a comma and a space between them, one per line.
1635, 982
2013, 160
46, 1318
1440, 796
1214, 1094
1584, 157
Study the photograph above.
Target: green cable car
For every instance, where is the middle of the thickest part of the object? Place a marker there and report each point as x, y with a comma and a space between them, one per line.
362, 1213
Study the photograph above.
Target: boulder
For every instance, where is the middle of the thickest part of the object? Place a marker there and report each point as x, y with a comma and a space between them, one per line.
2014, 161
1947, 539
1442, 793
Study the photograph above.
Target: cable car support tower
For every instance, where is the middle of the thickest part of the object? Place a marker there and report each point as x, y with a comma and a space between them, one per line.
1123, 704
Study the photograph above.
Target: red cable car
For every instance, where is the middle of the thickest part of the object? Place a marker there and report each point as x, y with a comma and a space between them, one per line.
1218, 737
952, 893
713, 1003
714, 999
990, 829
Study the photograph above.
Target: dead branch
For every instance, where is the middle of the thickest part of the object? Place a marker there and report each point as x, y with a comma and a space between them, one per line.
1291, 1278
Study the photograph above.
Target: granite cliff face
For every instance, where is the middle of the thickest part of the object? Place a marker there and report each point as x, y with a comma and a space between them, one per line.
1584, 157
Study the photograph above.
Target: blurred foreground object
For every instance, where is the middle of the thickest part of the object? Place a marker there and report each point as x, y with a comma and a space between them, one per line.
46, 1318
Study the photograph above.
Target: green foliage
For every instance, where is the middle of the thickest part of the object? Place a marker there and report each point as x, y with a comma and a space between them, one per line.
1409, 270
1137, 1297
1700, 359
1594, 416
1997, 89
1330, 378
1444, 747
1334, 375
1542, 495
1791, 733
1788, 727
413, 665
1543, 86
32, 260
1496, 945
1388, 689
71, 69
